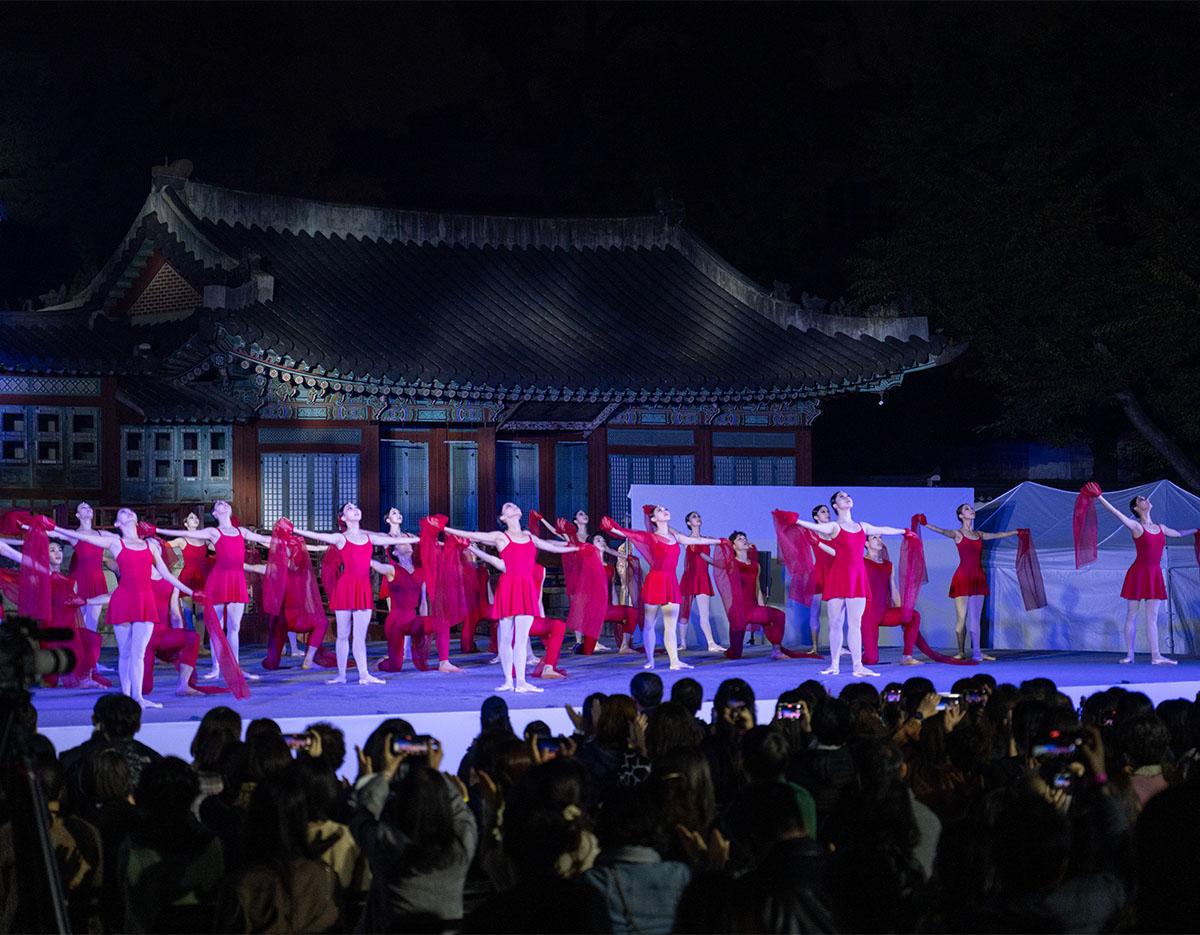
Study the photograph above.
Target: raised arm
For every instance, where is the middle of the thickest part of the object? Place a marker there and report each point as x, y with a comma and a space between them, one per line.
335, 539
164, 570
491, 538
254, 537
382, 538
493, 560
549, 545
554, 532
882, 530
986, 536
208, 533
695, 540
101, 540
1176, 533
825, 529
1131, 524
948, 533
8, 552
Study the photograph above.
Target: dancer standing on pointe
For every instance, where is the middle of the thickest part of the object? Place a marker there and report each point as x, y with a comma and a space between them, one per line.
969, 585
845, 586
1144, 588
516, 595
225, 587
660, 590
352, 599
132, 610
87, 570
696, 585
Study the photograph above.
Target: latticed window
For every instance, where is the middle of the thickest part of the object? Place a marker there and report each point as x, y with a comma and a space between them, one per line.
570, 478
627, 470
307, 488
517, 475
405, 480
753, 470
464, 486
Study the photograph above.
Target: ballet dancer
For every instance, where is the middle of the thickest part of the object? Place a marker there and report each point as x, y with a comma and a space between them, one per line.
624, 590
352, 598
87, 570
477, 589
823, 560
845, 584
291, 598
660, 591
516, 596
132, 610
170, 641
1144, 588
197, 562
407, 604
225, 586
969, 585
696, 585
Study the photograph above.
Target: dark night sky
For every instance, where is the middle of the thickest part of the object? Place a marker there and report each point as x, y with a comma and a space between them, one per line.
765, 120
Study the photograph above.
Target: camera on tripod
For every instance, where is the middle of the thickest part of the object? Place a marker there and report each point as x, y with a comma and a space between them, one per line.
23, 661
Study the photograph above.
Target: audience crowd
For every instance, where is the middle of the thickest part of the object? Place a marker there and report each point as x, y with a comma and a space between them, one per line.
994, 808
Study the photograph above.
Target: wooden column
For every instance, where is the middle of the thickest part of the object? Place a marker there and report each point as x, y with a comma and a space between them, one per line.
704, 456
546, 485
804, 456
439, 471
110, 444
368, 472
598, 474
485, 475
247, 485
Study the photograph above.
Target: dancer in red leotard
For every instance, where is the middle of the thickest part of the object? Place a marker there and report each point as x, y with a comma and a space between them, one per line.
660, 590
87, 569
352, 598
405, 585
516, 594
823, 560
1144, 587
580, 574
197, 562
132, 610
477, 586
696, 586
845, 585
550, 629
225, 587
969, 585
170, 642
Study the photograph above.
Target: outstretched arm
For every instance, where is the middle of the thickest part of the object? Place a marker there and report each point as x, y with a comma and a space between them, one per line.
494, 561
165, 571
554, 532
208, 533
335, 539
825, 529
1131, 524
254, 537
695, 540
1176, 534
549, 545
948, 533
826, 548
491, 538
380, 538
996, 535
8, 552
883, 530
101, 540
386, 570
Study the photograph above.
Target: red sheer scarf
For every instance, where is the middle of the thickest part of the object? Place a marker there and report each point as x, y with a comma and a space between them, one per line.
796, 553
1029, 572
1085, 526
34, 598
912, 572
588, 592
728, 579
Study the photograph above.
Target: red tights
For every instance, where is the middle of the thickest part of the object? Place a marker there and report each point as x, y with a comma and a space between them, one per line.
283, 624
172, 645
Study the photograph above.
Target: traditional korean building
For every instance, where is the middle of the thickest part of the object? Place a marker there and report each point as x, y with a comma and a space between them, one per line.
290, 354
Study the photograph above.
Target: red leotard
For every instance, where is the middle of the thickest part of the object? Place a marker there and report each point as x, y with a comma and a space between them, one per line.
969, 579
1144, 580
87, 568
516, 594
133, 599
83, 642
353, 588
846, 577
195, 565
662, 583
822, 561
695, 571
162, 600
226, 583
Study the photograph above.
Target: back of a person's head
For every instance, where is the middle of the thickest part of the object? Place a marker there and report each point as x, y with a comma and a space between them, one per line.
219, 726
681, 786
108, 777
166, 789
493, 713
831, 722
646, 688
913, 692
318, 783
118, 716
627, 819
689, 693
507, 761
539, 729
969, 747
1143, 741
333, 744
812, 690
1041, 688
266, 752
543, 818
394, 727
670, 725
1030, 721
768, 811
589, 703
1167, 862
276, 829
860, 695
895, 884
419, 807
616, 715
1031, 844
1176, 715
765, 753
733, 690
878, 763
48, 768
558, 783
1131, 705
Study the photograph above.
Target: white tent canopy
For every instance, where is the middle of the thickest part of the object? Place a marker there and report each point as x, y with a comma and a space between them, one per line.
1085, 611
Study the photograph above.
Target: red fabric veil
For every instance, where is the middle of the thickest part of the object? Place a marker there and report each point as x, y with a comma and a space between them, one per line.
588, 591
729, 585
445, 584
290, 577
795, 551
912, 571
1085, 526
230, 670
34, 598
1029, 572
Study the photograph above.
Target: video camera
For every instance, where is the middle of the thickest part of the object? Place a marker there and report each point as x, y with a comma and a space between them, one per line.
23, 662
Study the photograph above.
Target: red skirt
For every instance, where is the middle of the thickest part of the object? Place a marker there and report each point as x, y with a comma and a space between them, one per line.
661, 588
1144, 582
352, 592
968, 582
515, 596
131, 605
698, 581
90, 582
226, 586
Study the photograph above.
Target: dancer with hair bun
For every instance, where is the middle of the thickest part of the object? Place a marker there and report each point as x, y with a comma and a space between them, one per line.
696, 585
846, 585
969, 586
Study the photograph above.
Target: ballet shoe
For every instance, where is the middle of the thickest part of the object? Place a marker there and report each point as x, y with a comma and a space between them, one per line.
986, 658
524, 688
336, 680
715, 648
648, 665
911, 661
147, 703
506, 687
211, 674
448, 667
832, 670
1126, 661
862, 672
366, 678
679, 664
495, 660
251, 677
101, 667
549, 672
1163, 661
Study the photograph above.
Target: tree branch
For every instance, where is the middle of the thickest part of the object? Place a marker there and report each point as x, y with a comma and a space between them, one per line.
1184, 466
